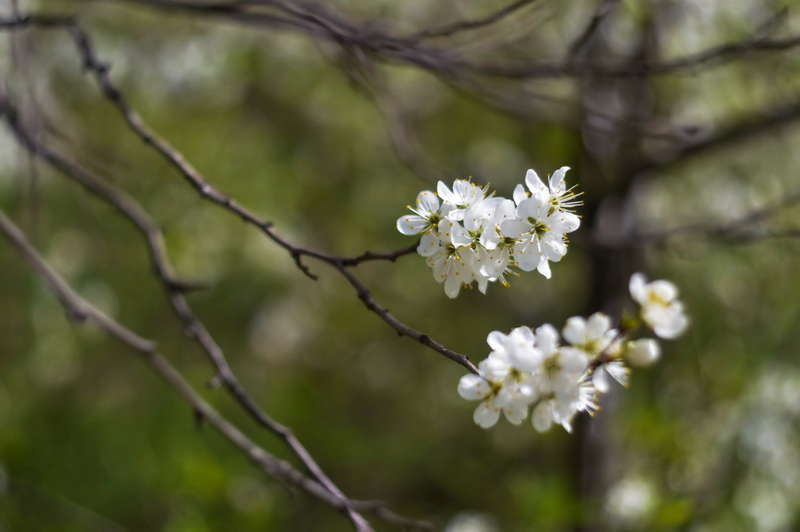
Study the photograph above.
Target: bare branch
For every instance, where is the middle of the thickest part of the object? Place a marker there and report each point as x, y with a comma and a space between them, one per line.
332, 26
80, 309
758, 123
602, 11
133, 212
465, 25
743, 229
100, 72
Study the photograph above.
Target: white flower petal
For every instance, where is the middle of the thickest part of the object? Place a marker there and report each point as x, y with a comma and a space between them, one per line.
490, 238
528, 256
428, 245
542, 417
597, 325
520, 194
599, 380
663, 290
564, 222
575, 331
547, 339
522, 334
459, 236
573, 361
637, 287
496, 367
427, 203
554, 248
534, 182
445, 193
544, 267
472, 387
534, 207
516, 413
485, 416
672, 328
497, 341
557, 185
411, 224
452, 286
483, 284
514, 228
618, 371
526, 358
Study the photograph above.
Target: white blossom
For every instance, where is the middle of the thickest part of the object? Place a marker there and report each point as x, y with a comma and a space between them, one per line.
616, 369
661, 310
469, 238
596, 338
531, 371
539, 233
426, 215
448, 263
497, 389
462, 196
516, 348
593, 336
559, 196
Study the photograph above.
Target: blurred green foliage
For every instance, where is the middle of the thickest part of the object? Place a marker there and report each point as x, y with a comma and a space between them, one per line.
90, 439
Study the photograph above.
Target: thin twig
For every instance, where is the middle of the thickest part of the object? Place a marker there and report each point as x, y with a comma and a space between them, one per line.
100, 72
81, 310
449, 30
133, 211
742, 229
333, 26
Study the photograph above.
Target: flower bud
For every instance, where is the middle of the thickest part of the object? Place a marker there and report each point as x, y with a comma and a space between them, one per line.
642, 352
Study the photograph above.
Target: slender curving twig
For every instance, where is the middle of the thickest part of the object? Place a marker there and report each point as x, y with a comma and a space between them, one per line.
449, 30
100, 72
135, 213
81, 310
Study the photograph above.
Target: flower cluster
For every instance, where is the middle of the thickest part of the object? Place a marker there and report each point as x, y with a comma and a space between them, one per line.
558, 376
470, 236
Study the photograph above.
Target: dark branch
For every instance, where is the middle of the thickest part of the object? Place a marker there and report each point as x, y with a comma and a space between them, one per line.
100, 72
333, 26
133, 212
465, 25
77, 306
744, 229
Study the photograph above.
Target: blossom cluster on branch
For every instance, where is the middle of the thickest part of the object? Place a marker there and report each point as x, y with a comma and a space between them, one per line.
471, 236
533, 369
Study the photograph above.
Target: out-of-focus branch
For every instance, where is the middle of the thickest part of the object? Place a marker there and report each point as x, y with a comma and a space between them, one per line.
81, 310
100, 72
361, 72
759, 123
449, 30
333, 26
592, 27
744, 229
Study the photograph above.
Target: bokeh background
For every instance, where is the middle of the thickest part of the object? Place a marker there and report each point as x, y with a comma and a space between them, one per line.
706, 440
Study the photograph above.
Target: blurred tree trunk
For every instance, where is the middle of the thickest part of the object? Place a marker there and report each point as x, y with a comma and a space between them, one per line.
610, 162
